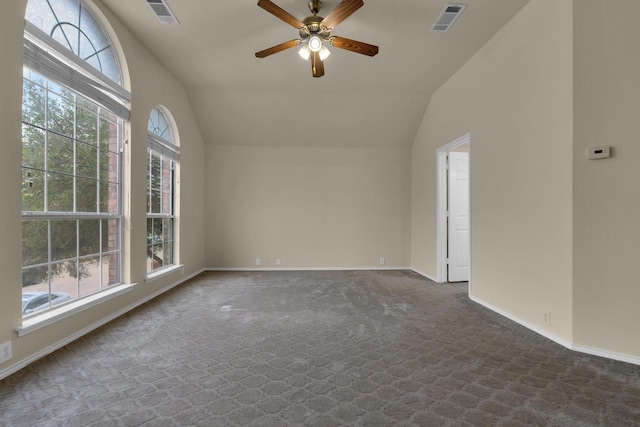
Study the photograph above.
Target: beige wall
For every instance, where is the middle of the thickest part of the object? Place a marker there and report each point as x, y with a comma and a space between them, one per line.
310, 207
150, 85
11, 25
606, 195
515, 98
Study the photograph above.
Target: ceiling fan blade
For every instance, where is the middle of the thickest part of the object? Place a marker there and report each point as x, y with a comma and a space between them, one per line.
277, 11
341, 12
317, 66
277, 48
354, 46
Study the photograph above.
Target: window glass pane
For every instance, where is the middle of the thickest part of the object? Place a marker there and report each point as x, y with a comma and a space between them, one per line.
155, 200
153, 239
60, 114
90, 273
60, 194
87, 161
108, 135
158, 256
64, 279
108, 166
168, 253
71, 24
89, 234
109, 198
155, 183
63, 239
158, 125
149, 179
35, 279
34, 77
86, 123
35, 242
59, 154
110, 235
32, 190
167, 229
32, 147
110, 66
33, 103
86, 195
110, 270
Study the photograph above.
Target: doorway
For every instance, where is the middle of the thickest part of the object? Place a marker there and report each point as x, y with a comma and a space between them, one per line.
453, 211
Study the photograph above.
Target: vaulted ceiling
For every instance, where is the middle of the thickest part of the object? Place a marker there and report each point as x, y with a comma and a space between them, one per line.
239, 99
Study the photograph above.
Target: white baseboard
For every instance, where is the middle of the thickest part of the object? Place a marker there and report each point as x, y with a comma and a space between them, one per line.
424, 275
50, 349
258, 268
563, 342
607, 354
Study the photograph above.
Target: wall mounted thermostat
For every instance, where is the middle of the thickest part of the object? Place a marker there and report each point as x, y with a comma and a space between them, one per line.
594, 153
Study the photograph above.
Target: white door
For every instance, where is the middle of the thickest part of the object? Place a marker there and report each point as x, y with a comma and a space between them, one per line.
459, 251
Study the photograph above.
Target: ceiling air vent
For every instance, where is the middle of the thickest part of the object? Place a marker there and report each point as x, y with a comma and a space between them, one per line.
162, 11
447, 17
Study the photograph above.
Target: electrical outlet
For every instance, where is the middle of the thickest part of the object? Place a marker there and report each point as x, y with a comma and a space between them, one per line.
277, 261
547, 318
5, 351
257, 261
381, 261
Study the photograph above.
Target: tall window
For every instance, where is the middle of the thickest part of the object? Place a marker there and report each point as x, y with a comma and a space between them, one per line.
162, 155
73, 107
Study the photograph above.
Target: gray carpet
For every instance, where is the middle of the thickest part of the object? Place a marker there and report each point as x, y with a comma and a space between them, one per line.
328, 348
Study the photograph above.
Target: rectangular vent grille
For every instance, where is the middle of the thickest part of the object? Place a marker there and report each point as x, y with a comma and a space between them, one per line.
447, 17
161, 9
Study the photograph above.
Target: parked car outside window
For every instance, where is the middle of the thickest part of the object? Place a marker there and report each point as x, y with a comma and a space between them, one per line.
36, 301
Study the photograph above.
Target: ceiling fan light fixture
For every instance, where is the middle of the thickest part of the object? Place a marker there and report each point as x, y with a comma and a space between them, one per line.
304, 52
324, 53
315, 43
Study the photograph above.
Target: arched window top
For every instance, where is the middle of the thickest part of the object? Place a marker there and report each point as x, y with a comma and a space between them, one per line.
159, 125
71, 24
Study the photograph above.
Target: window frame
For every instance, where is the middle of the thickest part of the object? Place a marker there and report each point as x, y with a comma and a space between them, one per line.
58, 66
160, 143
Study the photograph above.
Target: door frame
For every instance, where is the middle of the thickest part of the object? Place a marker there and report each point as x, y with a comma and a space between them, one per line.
441, 194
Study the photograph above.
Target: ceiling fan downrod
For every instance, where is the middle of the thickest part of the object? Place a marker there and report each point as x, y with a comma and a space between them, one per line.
315, 6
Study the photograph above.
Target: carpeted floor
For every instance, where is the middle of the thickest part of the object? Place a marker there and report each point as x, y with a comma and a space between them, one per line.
328, 348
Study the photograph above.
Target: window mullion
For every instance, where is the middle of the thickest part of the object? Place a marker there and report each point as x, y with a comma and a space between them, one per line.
45, 175
98, 162
75, 153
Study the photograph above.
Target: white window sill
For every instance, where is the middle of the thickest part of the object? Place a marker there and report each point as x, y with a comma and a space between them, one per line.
52, 316
164, 272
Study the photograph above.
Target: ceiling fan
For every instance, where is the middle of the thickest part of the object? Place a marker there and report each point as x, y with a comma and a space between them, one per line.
315, 32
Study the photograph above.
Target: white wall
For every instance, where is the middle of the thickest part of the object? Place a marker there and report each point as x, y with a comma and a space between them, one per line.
606, 195
515, 98
310, 207
150, 85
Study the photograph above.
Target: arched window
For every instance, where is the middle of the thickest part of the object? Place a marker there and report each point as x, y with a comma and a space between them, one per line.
162, 157
74, 27
73, 107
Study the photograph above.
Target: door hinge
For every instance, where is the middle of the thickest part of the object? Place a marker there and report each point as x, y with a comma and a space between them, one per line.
448, 261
